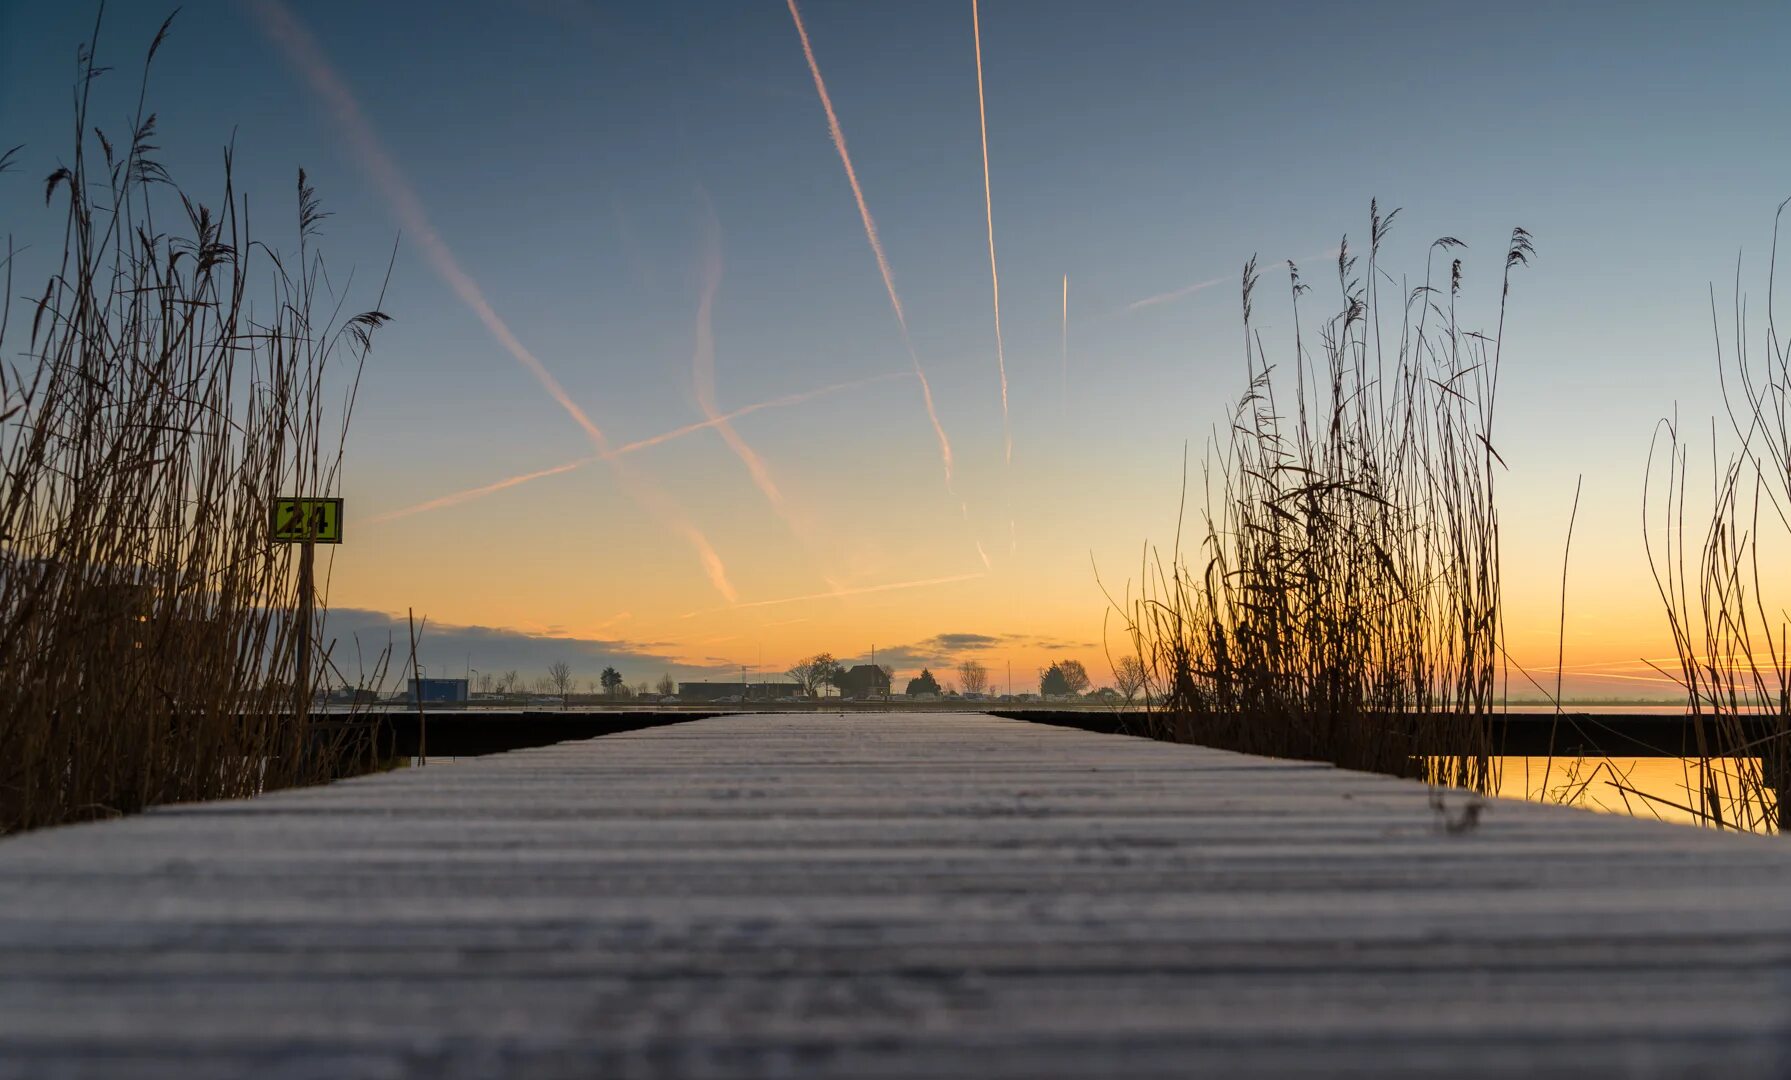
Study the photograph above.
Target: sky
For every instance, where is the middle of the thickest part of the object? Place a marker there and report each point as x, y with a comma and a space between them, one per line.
629, 223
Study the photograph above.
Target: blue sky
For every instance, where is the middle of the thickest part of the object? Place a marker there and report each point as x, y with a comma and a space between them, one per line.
564, 152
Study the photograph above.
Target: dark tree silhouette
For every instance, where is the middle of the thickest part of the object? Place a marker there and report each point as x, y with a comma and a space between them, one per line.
612, 680
1052, 682
924, 683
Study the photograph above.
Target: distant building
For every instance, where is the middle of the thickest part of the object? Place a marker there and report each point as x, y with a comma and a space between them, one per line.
721, 691
437, 691
864, 680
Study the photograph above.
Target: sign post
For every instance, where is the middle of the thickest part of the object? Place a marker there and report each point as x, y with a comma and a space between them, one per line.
306, 522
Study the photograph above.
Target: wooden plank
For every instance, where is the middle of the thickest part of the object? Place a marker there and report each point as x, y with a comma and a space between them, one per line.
887, 895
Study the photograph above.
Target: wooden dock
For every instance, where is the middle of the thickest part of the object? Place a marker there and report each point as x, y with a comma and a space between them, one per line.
881, 896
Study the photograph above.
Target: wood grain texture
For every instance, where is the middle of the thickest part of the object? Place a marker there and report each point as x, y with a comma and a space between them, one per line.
880, 896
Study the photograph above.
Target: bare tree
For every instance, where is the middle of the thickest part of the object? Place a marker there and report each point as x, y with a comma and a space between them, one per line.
508, 682
543, 685
973, 677
486, 679
666, 687
1074, 675
560, 674
815, 672
1128, 676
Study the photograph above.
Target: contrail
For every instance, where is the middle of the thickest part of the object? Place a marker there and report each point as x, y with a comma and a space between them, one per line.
458, 497
703, 366
870, 232
982, 117
1176, 294
480, 492
1063, 385
304, 53
859, 591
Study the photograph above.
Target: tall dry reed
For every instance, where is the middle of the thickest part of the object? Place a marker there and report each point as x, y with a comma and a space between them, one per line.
1727, 593
1345, 602
168, 380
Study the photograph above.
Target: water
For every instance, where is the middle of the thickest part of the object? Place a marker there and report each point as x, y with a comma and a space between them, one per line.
1657, 788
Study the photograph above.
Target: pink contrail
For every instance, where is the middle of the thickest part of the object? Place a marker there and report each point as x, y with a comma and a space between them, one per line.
458, 497
703, 366
982, 117
834, 593
870, 232
305, 54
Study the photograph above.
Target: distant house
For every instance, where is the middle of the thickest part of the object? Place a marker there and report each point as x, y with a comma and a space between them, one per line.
721, 691
864, 680
437, 691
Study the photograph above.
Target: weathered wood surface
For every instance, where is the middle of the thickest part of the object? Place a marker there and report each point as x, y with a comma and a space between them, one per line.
876, 896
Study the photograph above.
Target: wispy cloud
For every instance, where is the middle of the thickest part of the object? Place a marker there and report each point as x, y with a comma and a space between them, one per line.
1063, 383
1175, 294
458, 497
982, 117
870, 233
833, 594
307, 56
941, 651
1198, 286
702, 363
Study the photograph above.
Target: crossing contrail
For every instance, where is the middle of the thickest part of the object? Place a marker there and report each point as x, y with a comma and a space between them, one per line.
703, 367
458, 497
982, 116
870, 233
304, 53
834, 593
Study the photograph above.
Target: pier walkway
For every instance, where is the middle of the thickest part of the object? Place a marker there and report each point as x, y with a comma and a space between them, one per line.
887, 895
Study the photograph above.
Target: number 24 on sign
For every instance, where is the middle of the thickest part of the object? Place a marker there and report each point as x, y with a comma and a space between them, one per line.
317, 520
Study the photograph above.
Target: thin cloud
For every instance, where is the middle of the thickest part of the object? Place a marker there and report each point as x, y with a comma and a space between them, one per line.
458, 497
870, 233
307, 56
1063, 383
1189, 290
833, 594
702, 362
1175, 294
982, 117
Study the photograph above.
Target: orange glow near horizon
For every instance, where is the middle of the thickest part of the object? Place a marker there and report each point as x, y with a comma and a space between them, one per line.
305, 54
842, 526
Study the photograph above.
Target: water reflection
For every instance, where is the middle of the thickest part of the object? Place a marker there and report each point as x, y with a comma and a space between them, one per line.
1725, 791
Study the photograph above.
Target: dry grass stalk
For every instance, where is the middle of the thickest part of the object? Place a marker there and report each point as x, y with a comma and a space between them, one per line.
1726, 595
1346, 603
170, 379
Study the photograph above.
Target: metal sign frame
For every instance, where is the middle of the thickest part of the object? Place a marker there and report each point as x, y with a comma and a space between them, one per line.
298, 520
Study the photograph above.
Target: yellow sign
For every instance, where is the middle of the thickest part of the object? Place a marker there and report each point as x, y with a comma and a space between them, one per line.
298, 520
